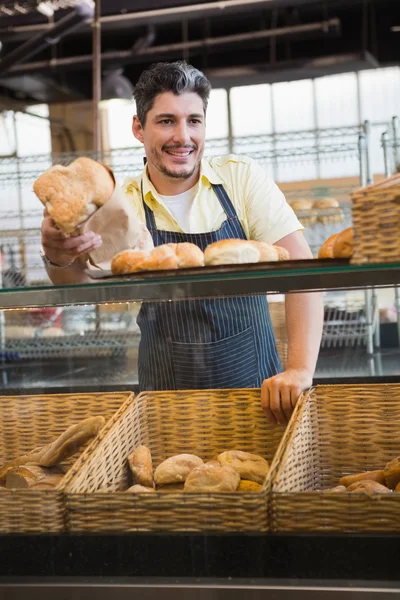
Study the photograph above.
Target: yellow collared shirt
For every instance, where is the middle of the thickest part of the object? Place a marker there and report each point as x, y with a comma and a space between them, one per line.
260, 205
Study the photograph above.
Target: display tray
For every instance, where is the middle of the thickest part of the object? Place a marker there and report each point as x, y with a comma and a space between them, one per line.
221, 269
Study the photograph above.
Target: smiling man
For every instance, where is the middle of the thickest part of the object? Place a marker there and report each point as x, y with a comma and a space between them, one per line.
183, 197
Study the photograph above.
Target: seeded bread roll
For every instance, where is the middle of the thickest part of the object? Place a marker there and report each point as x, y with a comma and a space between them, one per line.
231, 252
210, 478
72, 194
176, 469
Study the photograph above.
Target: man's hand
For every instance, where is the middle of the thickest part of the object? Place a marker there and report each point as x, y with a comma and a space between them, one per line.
279, 394
62, 250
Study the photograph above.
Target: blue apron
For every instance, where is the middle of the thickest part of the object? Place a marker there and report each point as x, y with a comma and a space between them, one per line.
205, 343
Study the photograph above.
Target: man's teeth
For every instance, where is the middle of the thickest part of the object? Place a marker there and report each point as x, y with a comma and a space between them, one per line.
178, 153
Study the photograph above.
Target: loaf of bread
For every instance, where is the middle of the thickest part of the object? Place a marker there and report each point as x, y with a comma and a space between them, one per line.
368, 487
231, 252
330, 211
326, 250
62, 448
210, 478
344, 245
171, 488
141, 466
305, 212
160, 258
336, 489
249, 486
368, 475
27, 476
139, 489
72, 194
176, 469
270, 253
391, 473
397, 488
249, 466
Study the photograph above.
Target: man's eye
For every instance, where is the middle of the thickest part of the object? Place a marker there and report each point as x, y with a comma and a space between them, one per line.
166, 121
195, 121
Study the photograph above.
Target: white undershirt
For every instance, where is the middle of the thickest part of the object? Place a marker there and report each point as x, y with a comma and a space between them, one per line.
180, 206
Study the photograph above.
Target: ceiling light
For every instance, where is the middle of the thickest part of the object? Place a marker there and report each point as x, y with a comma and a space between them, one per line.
46, 9
116, 85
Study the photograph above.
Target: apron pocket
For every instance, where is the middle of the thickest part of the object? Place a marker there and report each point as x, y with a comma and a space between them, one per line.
228, 363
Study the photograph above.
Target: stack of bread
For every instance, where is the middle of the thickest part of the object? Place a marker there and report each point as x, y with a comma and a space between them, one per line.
72, 194
338, 245
230, 471
324, 210
380, 481
187, 255
40, 469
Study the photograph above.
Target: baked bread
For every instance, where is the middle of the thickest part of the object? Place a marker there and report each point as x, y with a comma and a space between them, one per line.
62, 448
164, 257
176, 469
249, 466
397, 488
368, 487
330, 209
171, 488
72, 194
231, 252
27, 476
249, 486
269, 252
326, 250
392, 473
336, 489
304, 211
343, 245
368, 475
210, 478
139, 489
141, 466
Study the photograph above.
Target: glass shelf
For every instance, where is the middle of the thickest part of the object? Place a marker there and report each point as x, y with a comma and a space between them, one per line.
282, 278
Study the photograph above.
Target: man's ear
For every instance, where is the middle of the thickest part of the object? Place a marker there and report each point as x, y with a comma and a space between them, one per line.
137, 129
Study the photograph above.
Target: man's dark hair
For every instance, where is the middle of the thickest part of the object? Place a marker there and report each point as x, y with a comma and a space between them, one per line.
177, 77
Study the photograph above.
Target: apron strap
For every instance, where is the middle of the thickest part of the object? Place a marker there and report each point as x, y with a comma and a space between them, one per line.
224, 200
150, 219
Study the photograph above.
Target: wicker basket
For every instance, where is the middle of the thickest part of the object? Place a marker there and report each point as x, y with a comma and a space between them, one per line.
376, 222
31, 421
337, 430
204, 423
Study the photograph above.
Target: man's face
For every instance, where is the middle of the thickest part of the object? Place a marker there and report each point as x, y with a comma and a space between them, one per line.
174, 133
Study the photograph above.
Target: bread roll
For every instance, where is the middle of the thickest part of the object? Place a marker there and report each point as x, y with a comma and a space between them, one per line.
367, 475
304, 211
161, 258
268, 252
249, 466
392, 473
331, 211
397, 488
139, 489
141, 466
171, 488
47, 484
326, 250
71, 194
210, 478
188, 255
368, 487
249, 486
176, 469
128, 261
231, 252
343, 244
62, 448
336, 489
283, 254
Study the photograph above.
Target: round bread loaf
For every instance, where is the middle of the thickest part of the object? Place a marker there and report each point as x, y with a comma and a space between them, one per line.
161, 258
210, 478
71, 194
326, 250
128, 261
176, 469
188, 255
249, 466
344, 245
329, 211
231, 252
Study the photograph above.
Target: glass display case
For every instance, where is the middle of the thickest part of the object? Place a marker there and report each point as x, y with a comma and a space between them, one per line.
91, 328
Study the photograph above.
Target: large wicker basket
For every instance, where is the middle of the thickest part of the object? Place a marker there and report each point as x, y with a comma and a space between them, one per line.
337, 430
376, 222
204, 423
31, 421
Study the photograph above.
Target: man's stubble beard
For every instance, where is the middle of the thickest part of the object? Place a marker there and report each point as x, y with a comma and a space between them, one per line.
158, 163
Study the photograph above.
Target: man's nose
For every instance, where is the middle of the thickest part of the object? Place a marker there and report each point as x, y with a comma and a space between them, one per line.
181, 134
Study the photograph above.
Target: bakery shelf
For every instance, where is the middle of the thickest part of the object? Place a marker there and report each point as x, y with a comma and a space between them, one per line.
294, 276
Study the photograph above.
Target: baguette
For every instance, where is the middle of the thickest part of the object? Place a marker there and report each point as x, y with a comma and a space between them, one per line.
62, 448
367, 476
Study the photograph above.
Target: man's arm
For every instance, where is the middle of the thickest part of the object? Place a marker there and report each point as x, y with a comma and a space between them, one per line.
62, 251
304, 318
